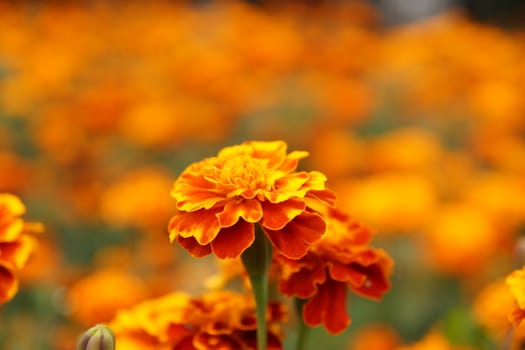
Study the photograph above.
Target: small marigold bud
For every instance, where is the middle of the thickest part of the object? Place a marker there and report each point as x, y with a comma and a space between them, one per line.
98, 337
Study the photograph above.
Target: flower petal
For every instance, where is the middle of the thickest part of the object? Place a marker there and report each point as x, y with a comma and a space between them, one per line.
8, 283
288, 186
18, 252
203, 225
516, 316
292, 160
232, 241
346, 273
194, 191
303, 284
250, 210
274, 151
276, 216
376, 283
193, 247
328, 307
294, 239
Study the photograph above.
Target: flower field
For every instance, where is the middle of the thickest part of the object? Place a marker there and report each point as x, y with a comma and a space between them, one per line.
202, 175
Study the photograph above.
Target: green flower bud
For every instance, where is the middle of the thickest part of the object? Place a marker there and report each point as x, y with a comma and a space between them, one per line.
98, 337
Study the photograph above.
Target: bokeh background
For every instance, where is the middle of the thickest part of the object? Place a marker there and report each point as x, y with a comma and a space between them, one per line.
415, 111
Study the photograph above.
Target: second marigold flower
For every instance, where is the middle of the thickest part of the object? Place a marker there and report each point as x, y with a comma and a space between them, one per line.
221, 198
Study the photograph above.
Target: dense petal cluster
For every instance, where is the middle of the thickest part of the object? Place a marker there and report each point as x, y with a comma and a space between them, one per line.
342, 259
16, 245
221, 198
217, 320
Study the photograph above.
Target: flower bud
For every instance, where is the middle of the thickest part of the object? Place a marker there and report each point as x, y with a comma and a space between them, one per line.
98, 337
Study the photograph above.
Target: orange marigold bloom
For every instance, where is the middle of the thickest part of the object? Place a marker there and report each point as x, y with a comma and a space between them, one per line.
221, 198
96, 298
516, 283
16, 246
217, 320
341, 259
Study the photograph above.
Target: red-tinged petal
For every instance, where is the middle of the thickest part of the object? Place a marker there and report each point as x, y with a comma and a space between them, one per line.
193, 247
276, 216
8, 283
294, 239
376, 284
303, 284
250, 210
346, 273
328, 307
203, 225
516, 317
249, 340
185, 344
232, 241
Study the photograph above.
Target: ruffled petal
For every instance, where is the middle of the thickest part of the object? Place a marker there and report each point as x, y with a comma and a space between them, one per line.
8, 283
193, 192
303, 284
250, 210
286, 187
276, 216
203, 225
328, 307
346, 273
377, 283
274, 151
193, 247
232, 241
294, 239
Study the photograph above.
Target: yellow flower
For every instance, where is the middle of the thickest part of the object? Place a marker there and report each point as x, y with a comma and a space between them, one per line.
516, 283
16, 246
221, 198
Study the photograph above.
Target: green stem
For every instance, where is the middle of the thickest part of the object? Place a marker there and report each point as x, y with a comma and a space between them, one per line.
256, 260
302, 329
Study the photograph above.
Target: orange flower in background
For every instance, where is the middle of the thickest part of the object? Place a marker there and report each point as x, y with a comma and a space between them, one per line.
341, 259
516, 283
16, 245
96, 297
221, 198
375, 337
434, 340
217, 320
492, 306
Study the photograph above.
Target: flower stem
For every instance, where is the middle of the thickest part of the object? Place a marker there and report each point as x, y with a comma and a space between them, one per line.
256, 259
302, 329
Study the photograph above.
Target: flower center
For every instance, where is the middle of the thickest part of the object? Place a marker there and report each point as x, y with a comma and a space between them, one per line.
246, 172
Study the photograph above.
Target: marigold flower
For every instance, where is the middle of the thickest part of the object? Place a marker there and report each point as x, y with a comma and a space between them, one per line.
221, 198
516, 283
96, 297
16, 245
492, 306
217, 320
341, 259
